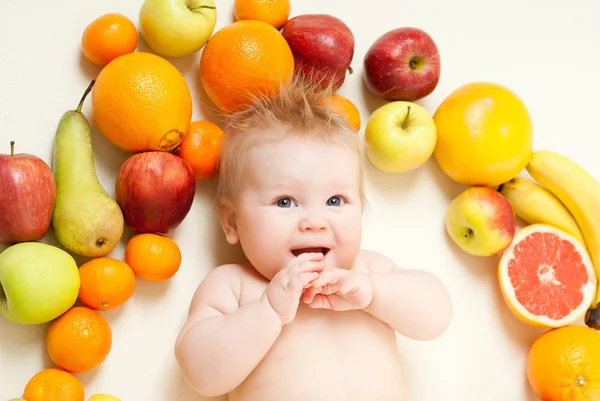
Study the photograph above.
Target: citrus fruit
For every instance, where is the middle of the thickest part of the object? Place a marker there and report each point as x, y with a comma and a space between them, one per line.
108, 37
200, 148
141, 102
546, 276
563, 364
103, 397
344, 107
273, 12
106, 283
79, 340
243, 60
484, 134
153, 257
53, 385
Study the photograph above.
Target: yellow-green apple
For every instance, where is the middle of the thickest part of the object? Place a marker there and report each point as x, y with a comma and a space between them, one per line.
27, 197
402, 64
176, 28
323, 47
38, 282
401, 136
481, 221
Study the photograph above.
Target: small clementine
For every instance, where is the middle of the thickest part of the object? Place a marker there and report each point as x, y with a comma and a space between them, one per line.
273, 12
79, 340
200, 148
153, 257
53, 385
344, 107
108, 37
106, 283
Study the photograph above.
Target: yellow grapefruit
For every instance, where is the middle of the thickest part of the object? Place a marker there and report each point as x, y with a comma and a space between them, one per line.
546, 276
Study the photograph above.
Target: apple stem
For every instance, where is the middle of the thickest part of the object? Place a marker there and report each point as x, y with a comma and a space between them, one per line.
405, 122
89, 88
350, 70
12, 148
200, 7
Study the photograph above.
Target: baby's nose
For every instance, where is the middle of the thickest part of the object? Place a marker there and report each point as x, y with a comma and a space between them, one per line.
313, 223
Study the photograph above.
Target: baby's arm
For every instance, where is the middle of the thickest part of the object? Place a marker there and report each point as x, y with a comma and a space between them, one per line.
221, 342
413, 302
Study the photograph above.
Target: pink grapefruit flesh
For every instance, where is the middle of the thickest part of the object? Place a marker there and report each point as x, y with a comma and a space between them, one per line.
546, 276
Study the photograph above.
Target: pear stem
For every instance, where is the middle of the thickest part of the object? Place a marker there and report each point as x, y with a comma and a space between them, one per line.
406, 118
12, 148
88, 90
200, 7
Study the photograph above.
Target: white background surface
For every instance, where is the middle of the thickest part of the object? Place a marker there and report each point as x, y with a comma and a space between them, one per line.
544, 50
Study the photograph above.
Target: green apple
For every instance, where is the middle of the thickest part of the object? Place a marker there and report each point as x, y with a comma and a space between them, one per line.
176, 28
38, 282
401, 136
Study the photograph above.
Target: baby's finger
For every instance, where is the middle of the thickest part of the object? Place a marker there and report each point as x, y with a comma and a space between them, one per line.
310, 293
310, 256
299, 281
310, 266
328, 276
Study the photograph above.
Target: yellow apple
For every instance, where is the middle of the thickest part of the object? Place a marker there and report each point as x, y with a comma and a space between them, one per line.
176, 28
401, 136
103, 397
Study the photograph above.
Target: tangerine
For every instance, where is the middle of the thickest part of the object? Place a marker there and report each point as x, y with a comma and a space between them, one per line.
200, 148
106, 283
244, 60
153, 257
108, 37
273, 12
53, 385
79, 340
141, 102
344, 107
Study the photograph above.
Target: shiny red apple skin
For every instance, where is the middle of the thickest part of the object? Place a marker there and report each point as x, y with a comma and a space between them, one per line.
387, 65
155, 191
323, 47
27, 197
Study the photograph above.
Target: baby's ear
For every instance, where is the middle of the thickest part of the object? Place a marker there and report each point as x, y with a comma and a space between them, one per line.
227, 219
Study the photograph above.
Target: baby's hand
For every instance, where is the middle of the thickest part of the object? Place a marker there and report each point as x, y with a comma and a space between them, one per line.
285, 290
340, 290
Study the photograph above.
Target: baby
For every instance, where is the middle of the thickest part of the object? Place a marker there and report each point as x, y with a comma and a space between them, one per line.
312, 316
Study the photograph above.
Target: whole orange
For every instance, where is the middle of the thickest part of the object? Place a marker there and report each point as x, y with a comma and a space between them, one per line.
153, 257
484, 134
79, 340
53, 385
273, 12
564, 364
243, 60
108, 37
141, 102
106, 283
344, 107
200, 148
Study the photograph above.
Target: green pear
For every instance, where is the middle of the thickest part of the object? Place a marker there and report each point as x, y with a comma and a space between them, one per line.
86, 220
38, 282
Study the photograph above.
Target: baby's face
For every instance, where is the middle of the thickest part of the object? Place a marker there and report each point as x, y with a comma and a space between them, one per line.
301, 196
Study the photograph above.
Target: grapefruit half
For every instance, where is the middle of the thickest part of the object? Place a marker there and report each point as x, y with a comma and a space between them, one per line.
546, 276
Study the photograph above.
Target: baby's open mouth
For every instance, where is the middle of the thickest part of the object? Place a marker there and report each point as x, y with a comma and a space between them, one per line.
300, 251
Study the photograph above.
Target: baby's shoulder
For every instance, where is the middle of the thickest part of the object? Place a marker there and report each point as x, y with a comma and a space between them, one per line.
375, 261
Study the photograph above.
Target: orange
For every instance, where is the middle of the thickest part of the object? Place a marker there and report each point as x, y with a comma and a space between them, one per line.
79, 340
344, 107
484, 134
106, 283
54, 385
564, 364
153, 257
243, 60
200, 148
108, 37
141, 102
546, 276
273, 12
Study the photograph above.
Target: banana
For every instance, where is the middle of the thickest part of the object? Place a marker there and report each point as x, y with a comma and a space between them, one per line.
535, 204
580, 193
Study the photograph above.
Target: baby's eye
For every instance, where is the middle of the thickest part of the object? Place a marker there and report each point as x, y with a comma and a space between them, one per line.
335, 201
285, 202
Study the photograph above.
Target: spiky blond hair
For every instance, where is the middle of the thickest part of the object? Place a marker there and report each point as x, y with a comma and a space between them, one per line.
294, 113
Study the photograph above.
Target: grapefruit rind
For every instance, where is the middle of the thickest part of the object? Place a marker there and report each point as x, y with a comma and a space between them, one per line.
508, 291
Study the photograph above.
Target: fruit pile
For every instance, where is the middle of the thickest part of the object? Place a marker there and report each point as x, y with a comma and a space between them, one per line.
481, 136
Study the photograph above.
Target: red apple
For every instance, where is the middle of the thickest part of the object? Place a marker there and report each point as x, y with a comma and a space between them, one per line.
27, 196
323, 47
155, 190
402, 64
